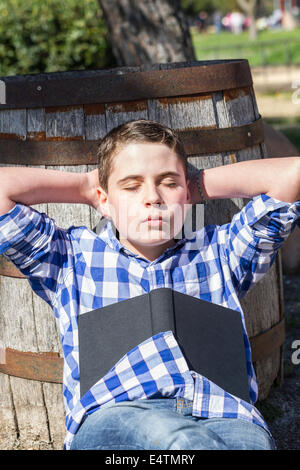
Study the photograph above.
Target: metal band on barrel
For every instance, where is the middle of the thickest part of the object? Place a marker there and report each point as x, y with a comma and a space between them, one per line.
84, 152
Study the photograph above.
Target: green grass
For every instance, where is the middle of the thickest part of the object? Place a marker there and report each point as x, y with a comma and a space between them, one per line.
270, 47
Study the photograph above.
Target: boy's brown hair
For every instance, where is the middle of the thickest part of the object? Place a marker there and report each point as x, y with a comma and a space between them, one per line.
137, 131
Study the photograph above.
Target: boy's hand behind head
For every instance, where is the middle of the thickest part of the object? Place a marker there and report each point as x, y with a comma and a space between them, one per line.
91, 188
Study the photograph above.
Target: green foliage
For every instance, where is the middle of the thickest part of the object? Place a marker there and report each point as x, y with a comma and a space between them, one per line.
46, 36
193, 7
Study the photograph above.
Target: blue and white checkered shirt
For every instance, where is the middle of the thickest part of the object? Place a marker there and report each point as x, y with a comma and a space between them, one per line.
75, 271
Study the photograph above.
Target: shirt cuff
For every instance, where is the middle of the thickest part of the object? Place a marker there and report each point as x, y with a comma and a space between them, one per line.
261, 205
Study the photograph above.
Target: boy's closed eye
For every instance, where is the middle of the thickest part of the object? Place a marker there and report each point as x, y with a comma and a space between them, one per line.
170, 185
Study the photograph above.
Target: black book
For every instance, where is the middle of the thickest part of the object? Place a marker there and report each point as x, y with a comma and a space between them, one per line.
210, 337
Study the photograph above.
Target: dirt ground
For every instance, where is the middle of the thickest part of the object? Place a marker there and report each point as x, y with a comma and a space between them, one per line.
281, 408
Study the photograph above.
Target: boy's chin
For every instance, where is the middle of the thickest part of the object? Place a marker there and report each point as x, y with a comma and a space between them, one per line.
156, 242
155, 238
151, 241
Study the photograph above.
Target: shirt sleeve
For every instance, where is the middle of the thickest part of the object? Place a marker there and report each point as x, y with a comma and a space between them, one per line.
36, 246
254, 236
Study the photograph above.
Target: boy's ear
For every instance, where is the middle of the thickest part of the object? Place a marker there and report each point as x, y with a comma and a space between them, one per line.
103, 204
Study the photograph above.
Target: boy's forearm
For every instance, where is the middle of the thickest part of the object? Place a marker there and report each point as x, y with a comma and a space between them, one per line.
31, 186
276, 177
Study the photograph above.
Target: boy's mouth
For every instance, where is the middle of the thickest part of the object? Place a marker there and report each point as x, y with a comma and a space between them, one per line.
153, 218
154, 221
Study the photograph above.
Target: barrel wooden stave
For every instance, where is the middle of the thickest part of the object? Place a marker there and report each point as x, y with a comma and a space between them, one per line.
17, 327
8, 428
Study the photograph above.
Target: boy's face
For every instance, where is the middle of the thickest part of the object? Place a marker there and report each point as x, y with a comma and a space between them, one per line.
147, 181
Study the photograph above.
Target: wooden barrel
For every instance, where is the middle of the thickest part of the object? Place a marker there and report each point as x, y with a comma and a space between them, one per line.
55, 121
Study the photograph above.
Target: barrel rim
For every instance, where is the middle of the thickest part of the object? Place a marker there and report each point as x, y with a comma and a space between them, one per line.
130, 69
124, 84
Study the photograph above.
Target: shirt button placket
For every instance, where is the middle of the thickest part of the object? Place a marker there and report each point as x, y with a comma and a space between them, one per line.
152, 277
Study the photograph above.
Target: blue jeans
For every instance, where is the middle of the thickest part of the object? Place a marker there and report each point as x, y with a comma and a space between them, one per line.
161, 424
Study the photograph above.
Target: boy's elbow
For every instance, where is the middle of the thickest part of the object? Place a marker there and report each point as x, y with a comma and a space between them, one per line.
293, 179
286, 182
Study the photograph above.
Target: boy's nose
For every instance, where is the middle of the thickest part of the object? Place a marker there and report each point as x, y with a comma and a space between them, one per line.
152, 195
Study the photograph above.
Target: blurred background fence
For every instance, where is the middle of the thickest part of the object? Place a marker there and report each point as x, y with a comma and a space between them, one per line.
261, 53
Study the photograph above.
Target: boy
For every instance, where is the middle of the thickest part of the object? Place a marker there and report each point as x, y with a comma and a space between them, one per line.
149, 399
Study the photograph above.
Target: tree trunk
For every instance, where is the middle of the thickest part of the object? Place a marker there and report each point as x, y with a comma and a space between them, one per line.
249, 7
252, 27
147, 31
